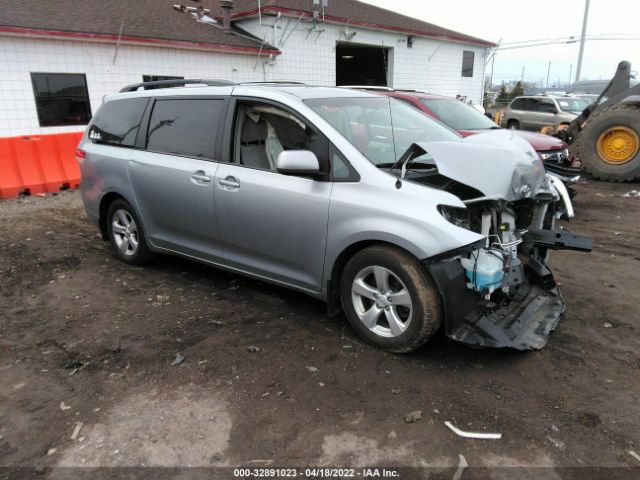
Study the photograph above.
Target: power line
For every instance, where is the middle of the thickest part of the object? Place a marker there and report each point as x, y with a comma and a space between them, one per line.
564, 40
615, 35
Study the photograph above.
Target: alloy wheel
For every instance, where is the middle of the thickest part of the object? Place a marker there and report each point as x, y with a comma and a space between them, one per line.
381, 301
125, 232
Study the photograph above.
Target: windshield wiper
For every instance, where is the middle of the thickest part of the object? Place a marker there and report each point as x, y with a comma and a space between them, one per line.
392, 166
406, 160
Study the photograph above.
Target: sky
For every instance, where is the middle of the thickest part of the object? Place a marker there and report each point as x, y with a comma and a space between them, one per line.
517, 20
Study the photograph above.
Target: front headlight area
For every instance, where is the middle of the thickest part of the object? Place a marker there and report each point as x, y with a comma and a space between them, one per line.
456, 216
492, 264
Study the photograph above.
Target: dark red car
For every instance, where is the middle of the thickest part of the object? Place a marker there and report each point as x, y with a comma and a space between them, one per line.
466, 120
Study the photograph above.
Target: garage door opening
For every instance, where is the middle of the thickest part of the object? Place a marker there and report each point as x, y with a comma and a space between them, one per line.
362, 65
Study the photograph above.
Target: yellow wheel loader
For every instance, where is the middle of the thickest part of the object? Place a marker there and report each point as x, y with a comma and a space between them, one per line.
606, 135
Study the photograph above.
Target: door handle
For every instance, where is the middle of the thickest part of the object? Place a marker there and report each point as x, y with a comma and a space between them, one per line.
200, 176
229, 182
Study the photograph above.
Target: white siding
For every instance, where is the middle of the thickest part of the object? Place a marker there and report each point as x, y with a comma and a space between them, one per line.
21, 56
429, 65
310, 60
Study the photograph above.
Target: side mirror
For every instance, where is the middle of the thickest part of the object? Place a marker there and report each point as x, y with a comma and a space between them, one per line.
297, 162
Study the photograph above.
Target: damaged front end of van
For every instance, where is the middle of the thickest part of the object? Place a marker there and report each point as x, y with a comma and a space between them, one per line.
500, 291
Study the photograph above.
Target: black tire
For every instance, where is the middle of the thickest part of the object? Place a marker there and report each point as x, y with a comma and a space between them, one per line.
425, 317
513, 125
586, 145
141, 255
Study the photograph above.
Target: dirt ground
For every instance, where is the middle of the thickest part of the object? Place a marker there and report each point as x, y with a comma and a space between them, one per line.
86, 338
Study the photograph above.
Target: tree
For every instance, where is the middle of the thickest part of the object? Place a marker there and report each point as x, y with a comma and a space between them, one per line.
518, 90
487, 99
503, 95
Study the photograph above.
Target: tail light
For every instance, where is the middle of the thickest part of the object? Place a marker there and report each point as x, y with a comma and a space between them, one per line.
80, 155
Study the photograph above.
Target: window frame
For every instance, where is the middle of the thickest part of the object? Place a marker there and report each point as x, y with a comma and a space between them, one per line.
465, 56
523, 103
141, 125
530, 105
142, 140
228, 143
548, 101
534, 105
354, 176
89, 110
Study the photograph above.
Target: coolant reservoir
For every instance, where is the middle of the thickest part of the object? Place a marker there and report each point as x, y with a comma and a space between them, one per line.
484, 269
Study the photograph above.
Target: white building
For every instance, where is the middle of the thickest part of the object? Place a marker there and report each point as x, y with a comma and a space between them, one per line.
59, 58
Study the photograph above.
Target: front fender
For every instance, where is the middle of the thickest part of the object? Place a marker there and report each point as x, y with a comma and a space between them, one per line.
408, 219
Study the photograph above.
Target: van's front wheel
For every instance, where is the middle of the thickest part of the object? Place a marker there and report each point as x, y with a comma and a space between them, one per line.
389, 300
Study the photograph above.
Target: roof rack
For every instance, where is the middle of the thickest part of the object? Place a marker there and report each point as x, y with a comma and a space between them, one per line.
275, 82
367, 87
175, 83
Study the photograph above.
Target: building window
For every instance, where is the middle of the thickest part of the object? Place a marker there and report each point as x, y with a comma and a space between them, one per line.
61, 99
467, 63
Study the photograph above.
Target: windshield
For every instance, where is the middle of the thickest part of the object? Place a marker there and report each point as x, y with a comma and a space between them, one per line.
458, 115
381, 128
572, 104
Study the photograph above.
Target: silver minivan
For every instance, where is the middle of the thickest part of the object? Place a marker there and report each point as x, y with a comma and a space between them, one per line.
348, 196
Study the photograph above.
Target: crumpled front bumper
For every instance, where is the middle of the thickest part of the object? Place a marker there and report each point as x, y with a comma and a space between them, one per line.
562, 171
524, 319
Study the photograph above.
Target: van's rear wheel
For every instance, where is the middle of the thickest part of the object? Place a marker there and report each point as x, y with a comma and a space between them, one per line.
389, 300
126, 234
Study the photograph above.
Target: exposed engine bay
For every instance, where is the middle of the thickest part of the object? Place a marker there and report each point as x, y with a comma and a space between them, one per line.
497, 292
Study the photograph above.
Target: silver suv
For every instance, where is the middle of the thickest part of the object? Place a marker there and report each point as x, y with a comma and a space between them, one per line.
533, 113
350, 197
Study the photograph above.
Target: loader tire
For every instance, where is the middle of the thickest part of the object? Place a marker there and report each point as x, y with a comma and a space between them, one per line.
609, 144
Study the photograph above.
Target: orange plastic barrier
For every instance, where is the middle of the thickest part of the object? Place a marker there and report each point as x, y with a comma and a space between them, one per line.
36, 164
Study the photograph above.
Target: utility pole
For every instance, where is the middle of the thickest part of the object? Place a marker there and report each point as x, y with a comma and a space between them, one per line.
570, 70
582, 39
548, 72
493, 61
522, 76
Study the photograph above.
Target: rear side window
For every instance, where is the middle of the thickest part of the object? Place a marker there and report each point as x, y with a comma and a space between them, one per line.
547, 106
184, 127
533, 105
117, 122
518, 104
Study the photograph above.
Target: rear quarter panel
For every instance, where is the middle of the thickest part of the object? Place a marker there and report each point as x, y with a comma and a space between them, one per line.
103, 171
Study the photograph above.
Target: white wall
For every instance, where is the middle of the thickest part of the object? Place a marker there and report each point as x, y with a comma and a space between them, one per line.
429, 65
21, 56
310, 60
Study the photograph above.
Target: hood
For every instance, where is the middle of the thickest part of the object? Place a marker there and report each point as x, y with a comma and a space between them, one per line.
538, 141
541, 142
468, 133
499, 164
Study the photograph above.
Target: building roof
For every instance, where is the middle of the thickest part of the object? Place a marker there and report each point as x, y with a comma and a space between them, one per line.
155, 22
358, 14
152, 22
